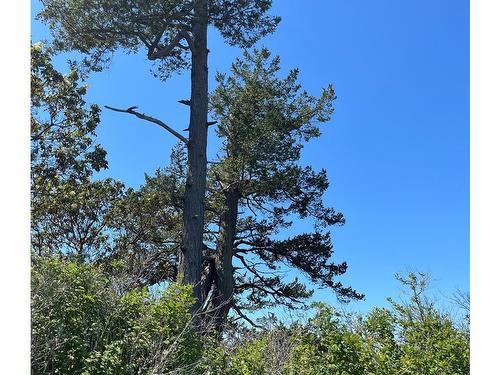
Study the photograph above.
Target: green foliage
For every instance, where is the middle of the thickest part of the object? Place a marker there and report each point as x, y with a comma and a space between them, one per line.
250, 359
69, 211
147, 226
385, 341
98, 28
97, 244
90, 220
328, 346
411, 338
423, 330
265, 119
75, 218
62, 126
82, 324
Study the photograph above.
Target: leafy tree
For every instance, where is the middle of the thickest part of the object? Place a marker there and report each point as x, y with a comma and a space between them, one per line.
174, 34
74, 219
69, 211
62, 127
257, 186
93, 220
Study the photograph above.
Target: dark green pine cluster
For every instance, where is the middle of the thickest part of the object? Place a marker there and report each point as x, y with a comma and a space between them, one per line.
264, 122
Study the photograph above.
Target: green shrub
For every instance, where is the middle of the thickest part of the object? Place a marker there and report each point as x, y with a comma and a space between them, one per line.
327, 346
411, 338
82, 324
408, 338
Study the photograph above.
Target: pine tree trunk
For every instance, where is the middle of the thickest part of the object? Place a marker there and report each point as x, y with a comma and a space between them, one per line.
224, 281
190, 256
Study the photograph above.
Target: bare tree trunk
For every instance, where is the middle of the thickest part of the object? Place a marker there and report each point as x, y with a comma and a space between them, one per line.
190, 256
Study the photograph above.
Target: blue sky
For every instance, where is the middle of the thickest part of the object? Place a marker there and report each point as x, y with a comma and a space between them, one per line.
396, 150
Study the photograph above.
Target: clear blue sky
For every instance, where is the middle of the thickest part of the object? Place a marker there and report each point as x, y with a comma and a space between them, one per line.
396, 151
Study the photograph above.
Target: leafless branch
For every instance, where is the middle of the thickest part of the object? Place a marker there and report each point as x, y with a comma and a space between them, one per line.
142, 116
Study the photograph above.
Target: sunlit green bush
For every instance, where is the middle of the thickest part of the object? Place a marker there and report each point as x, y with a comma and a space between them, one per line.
411, 337
83, 324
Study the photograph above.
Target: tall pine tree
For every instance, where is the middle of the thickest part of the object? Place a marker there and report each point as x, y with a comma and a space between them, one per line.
174, 34
259, 187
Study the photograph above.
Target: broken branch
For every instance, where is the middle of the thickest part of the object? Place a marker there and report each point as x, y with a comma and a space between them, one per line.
142, 116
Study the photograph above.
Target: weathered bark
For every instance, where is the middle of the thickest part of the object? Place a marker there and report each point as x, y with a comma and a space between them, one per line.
190, 256
222, 297
207, 278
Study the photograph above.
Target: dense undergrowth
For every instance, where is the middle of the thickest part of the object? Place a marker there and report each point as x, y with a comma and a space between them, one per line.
86, 323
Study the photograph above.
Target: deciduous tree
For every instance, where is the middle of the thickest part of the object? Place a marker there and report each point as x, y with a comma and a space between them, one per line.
69, 211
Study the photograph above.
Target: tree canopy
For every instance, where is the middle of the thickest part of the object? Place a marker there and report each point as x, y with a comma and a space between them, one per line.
163, 28
69, 211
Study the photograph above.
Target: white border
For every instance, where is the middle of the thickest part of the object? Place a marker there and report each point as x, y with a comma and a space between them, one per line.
14, 195
485, 185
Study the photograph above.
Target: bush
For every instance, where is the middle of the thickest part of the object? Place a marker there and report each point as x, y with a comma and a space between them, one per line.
82, 324
408, 338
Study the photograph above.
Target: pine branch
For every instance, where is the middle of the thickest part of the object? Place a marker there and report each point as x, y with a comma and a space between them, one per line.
166, 50
243, 316
132, 111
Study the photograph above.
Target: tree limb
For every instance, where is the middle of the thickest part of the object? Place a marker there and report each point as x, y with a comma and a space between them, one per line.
185, 102
132, 111
274, 291
165, 51
243, 316
188, 38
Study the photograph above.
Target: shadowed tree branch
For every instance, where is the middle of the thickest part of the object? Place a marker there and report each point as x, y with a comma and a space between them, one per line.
162, 52
243, 316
